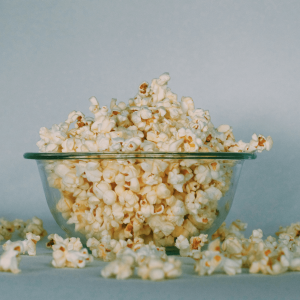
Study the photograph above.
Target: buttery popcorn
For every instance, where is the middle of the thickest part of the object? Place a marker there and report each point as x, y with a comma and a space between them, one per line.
156, 269
70, 243
6, 229
151, 262
270, 256
34, 226
120, 268
192, 248
154, 199
64, 254
28, 245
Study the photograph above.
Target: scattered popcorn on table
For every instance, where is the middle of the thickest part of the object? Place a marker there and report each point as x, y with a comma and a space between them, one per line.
156, 269
121, 268
213, 260
156, 200
270, 256
9, 261
35, 226
229, 252
64, 256
70, 243
152, 263
28, 245
6, 229
192, 248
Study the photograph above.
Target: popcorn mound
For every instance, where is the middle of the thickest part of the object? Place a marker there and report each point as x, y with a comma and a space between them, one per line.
156, 200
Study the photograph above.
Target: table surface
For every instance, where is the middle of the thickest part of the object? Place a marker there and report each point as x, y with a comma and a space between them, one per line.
39, 279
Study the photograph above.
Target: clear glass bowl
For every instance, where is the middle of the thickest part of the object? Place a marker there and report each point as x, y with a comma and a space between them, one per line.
147, 205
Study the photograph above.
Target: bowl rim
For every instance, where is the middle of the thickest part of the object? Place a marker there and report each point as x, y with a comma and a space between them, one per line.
139, 155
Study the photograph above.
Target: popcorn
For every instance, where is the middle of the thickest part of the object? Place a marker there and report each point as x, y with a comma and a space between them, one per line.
68, 252
156, 199
4, 233
213, 260
70, 243
28, 245
192, 248
18, 224
35, 226
151, 261
156, 269
72, 259
121, 268
9, 226
9, 261
19, 246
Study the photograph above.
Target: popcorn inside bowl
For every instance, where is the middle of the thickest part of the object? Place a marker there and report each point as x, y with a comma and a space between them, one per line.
165, 193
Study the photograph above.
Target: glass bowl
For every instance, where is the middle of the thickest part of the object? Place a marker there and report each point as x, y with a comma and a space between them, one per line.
155, 196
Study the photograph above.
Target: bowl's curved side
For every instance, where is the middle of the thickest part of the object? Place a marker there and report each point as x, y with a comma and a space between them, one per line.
54, 195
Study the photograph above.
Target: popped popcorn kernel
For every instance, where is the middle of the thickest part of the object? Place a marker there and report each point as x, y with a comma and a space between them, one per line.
9, 261
68, 253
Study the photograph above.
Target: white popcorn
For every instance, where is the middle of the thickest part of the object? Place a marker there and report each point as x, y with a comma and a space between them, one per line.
120, 179
9, 261
157, 198
109, 197
19, 246
30, 243
213, 260
68, 252
177, 180
35, 226
162, 191
233, 247
69, 243
89, 171
156, 269
109, 175
182, 243
100, 188
192, 248
19, 224
72, 259
256, 236
5, 232
213, 193
121, 268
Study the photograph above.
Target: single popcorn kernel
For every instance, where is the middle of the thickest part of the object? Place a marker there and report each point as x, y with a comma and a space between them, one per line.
125, 198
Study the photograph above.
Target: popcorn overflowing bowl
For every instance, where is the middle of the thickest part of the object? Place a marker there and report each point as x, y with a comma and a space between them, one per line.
150, 195
154, 168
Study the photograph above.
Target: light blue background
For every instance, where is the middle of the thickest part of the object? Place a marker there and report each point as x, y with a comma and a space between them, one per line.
239, 59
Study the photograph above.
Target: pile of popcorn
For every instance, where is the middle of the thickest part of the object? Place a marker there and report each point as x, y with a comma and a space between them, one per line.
32, 230
153, 199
